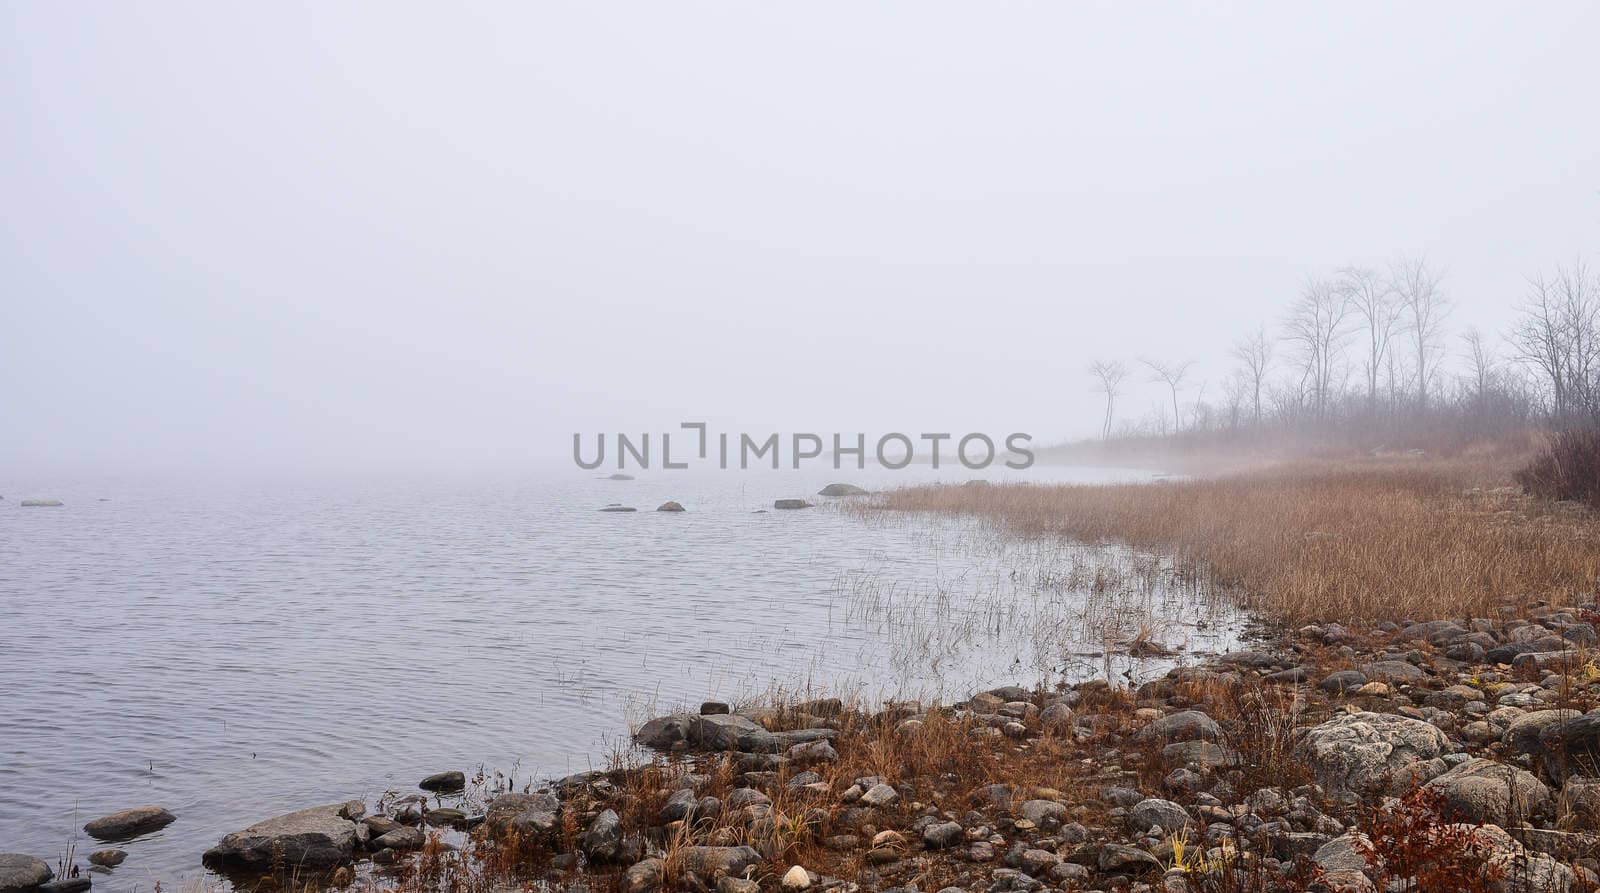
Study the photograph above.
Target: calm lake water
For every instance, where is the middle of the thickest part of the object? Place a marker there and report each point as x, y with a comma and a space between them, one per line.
236, 649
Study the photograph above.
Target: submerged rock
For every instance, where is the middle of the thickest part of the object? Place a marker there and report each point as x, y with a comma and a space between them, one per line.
315, 838
619, 508
42, 503
619, 476
129, 823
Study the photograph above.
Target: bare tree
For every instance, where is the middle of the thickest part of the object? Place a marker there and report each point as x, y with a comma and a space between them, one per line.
1318, 325
1557, 333
1108, 379
1481, 363
1172, 374
1373, 300
1423, 308
1254, 354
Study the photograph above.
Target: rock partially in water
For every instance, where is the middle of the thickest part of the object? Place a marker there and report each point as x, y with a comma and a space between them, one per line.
843, 490
129, 823
619, 508
313, 838
619, 476
20, 872
669, 506
107, 858
42, 503
791, 504
400, 839
67, 885
444, 782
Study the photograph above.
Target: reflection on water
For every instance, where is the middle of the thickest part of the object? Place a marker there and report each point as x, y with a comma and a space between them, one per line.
234, 650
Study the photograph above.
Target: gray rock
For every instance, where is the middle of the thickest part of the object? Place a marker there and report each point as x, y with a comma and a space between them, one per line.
19, 872
1365, 753
619, 508
1342, 853
400, 839
1041, 811
1393, 669
663, 732
1343, 681
791, 504
680, 805
1485, 792
1200, 753
444, 782
880, 795
842, 490
314, 838
528, 815
1163, 814
712, 862
67, 885
129, 823
41, 503
669, 506
107, 858
1184, 726
1571, 747
603, 841
943, 835
645, 876
1116, 857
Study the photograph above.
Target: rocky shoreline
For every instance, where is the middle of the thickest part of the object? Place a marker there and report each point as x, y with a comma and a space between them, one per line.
1463, 753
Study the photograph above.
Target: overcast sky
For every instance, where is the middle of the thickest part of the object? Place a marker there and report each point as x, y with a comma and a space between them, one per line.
424, 236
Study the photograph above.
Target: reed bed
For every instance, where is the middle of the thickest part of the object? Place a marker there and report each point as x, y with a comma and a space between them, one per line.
1358, 540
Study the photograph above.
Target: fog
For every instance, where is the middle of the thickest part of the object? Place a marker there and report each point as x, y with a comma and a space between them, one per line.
406, 236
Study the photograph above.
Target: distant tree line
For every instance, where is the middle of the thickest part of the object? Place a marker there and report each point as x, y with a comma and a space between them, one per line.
1372, 353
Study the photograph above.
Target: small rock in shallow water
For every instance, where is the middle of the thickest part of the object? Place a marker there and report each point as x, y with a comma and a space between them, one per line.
107, 858
129, 823
66, 885
791, 504
842, 490
444, 781
669, 506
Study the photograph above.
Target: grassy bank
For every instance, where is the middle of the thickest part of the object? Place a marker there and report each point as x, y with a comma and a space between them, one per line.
1368, 538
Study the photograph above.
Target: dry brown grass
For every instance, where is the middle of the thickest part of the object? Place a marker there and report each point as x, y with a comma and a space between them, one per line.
1362, 539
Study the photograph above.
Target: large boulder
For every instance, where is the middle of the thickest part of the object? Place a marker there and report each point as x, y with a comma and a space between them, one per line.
318, 837
1571, 747
20, 872
842, 490
129, 823
1524, 732
1485, 792
1365, 753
